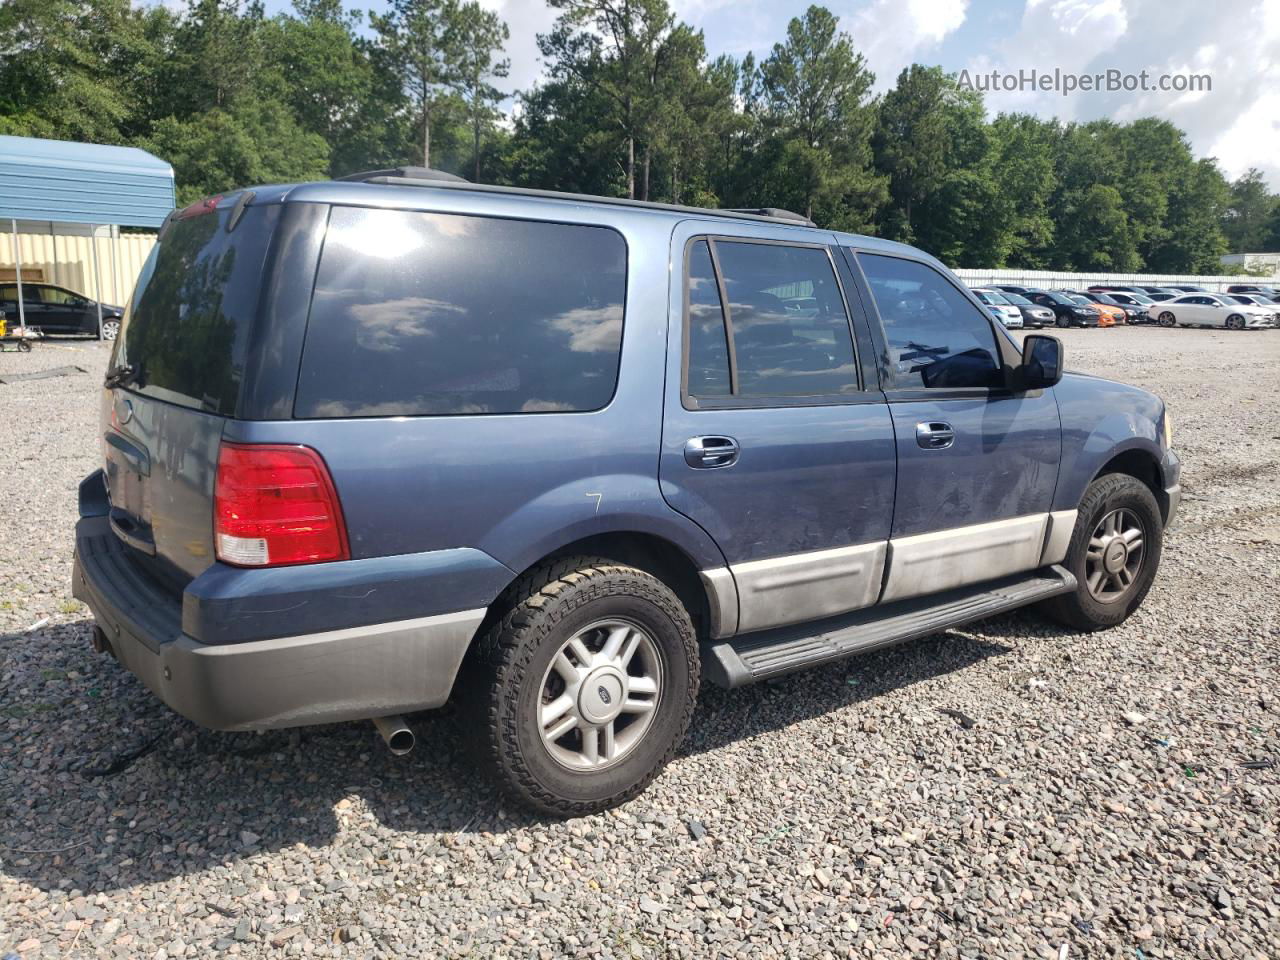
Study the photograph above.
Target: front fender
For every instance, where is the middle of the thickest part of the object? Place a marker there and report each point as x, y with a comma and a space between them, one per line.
1101, 420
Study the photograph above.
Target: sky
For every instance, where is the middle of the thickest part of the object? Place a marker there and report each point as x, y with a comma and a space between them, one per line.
1235, 42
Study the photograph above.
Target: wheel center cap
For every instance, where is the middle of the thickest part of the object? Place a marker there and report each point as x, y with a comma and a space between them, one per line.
601, 694
1115, 556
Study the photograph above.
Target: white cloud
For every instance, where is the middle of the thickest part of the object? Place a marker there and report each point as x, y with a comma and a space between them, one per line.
525, 19
1235, 42
892, 34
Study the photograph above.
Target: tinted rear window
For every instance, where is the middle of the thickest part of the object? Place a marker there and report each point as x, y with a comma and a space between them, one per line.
428, 313
187, 327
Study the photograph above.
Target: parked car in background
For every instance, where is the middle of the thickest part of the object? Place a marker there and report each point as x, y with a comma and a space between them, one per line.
683, 475
1258, 300
1187, 288
1109, 314
1000, 308
1033, 316
1133, 312
1011, 288
55, 309
1114, 288
1254, 288
1156, 292
1213, 310
1066, 312
1163, 295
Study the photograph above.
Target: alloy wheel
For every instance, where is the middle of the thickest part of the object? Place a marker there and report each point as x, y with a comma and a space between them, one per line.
599, 695
1115, 554
1166, 319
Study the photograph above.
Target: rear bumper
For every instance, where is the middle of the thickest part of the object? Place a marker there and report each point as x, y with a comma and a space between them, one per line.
319, 677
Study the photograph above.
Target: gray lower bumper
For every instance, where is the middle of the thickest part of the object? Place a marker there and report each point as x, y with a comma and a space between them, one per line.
1173, 496
348, 674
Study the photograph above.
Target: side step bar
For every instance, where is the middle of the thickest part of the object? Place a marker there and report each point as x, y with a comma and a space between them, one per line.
770, 653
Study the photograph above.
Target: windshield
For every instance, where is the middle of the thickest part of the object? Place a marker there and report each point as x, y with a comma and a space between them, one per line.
1017, 300
1139, 298
1076, 298
994, 298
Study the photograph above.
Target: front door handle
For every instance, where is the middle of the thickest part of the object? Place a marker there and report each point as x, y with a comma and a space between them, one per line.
706, 452
935, 435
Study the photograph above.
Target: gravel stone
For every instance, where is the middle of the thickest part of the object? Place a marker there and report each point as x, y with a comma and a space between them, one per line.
841, 818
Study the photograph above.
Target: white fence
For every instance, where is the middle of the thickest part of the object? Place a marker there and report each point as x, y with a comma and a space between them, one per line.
1059, 279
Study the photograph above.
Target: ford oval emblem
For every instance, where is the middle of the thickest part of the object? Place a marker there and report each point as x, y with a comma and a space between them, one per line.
604, 695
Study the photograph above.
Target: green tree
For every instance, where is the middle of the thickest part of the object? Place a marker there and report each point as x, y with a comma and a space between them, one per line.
416, 37
479, 34
610, 46
1250, 211
817, 92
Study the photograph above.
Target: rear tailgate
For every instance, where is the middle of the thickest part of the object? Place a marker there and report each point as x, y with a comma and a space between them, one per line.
181, 358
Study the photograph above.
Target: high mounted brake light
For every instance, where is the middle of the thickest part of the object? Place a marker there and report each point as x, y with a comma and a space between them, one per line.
276, 505
199, 208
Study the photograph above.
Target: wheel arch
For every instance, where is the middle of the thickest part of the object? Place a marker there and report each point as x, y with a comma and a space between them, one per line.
654, 554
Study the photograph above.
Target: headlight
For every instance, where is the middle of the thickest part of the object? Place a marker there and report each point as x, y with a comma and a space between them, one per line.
1168, 430
1085, 310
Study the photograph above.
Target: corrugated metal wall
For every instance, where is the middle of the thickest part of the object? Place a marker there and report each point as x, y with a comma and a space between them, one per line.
67, 259
1055, 279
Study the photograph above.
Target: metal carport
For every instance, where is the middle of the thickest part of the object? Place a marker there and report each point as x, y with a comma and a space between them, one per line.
90, 183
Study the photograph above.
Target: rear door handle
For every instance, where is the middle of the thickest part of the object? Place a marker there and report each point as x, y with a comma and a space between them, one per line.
706, 452
935, 435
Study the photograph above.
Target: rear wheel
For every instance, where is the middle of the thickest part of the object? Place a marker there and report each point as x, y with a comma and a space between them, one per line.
1114, 553
585, 688
1167, 319
110, 329
1235, 322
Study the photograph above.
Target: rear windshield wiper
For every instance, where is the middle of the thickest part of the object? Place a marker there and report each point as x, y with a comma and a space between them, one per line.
121, 375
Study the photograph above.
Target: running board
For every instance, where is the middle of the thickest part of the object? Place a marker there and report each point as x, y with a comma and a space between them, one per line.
770, 653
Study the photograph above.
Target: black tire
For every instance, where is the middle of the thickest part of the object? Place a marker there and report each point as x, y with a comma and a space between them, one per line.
1061, 321
546, 608
1080, 608
1235, 322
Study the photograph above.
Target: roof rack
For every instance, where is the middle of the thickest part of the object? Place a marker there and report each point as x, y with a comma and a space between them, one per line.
405, 173
424, 177
773, 213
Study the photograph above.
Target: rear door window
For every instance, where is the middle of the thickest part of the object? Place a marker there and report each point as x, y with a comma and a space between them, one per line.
419, 314
783, 331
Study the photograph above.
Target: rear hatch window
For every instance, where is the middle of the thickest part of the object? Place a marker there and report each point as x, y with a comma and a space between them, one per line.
435, 314
187, 328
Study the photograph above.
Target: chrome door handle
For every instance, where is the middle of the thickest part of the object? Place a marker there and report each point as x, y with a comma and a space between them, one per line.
706, 452
935, 435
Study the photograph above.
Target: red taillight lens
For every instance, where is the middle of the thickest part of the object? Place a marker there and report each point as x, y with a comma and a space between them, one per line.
276, 505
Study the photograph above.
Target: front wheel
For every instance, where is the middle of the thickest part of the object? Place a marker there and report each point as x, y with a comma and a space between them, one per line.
1062, 322
1114, 554
585, 688
110, 329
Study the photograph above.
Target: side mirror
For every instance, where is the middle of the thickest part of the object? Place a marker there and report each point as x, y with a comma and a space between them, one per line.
1041, 362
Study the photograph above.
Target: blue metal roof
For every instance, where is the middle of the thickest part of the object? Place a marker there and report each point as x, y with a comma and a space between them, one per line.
83, 183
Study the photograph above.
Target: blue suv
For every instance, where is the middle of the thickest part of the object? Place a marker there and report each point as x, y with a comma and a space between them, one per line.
373, 444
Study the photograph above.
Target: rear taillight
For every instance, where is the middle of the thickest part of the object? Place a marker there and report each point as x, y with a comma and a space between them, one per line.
274, 506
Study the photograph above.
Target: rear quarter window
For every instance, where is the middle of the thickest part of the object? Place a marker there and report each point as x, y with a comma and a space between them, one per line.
430, 314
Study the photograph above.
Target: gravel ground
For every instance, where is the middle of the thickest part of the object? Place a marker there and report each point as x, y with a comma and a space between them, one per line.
1096, 808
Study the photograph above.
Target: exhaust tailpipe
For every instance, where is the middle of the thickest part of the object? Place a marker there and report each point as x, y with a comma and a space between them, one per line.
396, 733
